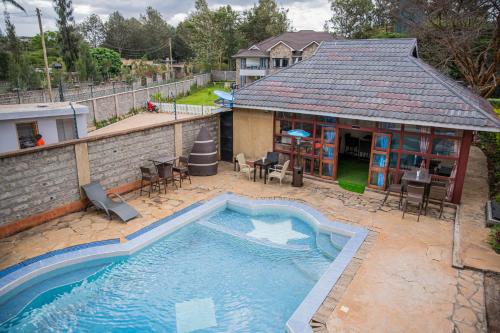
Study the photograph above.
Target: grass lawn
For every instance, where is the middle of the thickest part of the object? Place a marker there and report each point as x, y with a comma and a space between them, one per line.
352, 173
204, 96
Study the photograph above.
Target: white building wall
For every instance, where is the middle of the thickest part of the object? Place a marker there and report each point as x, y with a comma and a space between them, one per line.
8, 136
81, 122
48, 129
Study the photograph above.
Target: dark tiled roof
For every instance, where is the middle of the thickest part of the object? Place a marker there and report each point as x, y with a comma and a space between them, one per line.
374, 80
251, 53
296, 40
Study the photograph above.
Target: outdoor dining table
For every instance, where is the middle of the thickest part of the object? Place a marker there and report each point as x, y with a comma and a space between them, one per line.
163, 159
411, 176
266, 164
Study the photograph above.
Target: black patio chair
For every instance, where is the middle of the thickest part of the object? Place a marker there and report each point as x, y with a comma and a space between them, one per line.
182, 169
98, 197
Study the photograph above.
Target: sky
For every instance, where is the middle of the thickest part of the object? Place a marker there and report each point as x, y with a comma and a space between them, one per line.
304, 14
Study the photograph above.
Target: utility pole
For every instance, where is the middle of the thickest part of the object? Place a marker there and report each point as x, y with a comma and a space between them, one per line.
47, 75
170, 48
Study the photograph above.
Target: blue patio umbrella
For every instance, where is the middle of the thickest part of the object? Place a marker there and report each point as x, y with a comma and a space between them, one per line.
299, 134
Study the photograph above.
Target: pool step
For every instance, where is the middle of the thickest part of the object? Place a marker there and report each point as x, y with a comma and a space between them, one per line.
312, 267
324, 244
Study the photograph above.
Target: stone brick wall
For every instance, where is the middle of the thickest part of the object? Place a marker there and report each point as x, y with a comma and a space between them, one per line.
46, 178
190, 132
309, 51
115, 161
37, 182
281, 51
105, 107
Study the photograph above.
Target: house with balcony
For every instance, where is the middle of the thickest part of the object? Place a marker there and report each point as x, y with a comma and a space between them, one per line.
275, 53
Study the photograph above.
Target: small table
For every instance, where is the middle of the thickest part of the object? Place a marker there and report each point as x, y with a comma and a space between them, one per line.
263, 165
163, 159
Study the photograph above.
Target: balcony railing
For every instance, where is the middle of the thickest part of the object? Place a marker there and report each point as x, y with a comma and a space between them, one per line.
254, 67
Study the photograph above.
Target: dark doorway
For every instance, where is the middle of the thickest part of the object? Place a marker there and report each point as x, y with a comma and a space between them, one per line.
354, 157
226, 136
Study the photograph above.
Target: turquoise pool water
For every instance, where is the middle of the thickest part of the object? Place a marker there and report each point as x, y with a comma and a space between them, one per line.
228, 272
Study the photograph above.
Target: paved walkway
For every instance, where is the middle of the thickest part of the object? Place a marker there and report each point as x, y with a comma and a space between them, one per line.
474, 248
404, 283
138, 120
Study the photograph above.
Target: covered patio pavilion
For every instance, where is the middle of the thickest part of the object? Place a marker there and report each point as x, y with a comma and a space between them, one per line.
409, 114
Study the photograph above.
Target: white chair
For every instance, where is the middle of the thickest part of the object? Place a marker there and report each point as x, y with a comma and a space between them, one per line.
244, 167
278, 172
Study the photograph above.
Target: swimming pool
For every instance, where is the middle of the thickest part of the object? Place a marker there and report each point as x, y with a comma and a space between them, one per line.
228, 265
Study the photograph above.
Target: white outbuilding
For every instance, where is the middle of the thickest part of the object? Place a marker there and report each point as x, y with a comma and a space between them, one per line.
56, 122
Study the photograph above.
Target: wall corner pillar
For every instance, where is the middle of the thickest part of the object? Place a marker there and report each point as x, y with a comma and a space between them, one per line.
82, 166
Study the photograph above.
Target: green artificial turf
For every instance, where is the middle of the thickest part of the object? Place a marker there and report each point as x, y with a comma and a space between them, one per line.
352, 174
204, 96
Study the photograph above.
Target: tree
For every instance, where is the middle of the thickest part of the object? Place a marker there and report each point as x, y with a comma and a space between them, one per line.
461, 36
85, 65
68, 38
108, 62
156, 33
93, 30
351, 18
116, 32
264, 20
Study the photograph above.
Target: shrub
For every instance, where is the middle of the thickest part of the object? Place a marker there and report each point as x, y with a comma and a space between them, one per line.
495, 238
353, 187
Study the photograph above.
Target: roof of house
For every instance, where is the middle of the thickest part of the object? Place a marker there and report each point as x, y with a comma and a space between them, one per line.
378, 80
295, 40
39, 110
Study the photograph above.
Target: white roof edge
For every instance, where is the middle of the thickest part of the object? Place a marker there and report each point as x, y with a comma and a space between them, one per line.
381, 119
302, 49
269, 49
254, 47
34, 112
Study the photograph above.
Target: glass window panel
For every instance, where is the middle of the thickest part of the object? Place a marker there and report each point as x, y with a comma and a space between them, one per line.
323, 119
411, 143
357, 122
316, 167
408, 161
329, 135
379, 160
441, 167
283, 126
417, 129
304, 116
306, 147
308, 127
390, 126
307, 163
377, 179
381, 142
327, 169
393, 160
444, 146
395, 141
317, 148
328, 152
283, 143
283, 157
447, 131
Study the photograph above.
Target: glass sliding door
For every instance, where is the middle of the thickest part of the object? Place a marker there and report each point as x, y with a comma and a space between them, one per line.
379, 160
328, 152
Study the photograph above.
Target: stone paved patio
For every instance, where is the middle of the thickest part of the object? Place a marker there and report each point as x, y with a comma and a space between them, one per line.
404, 281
